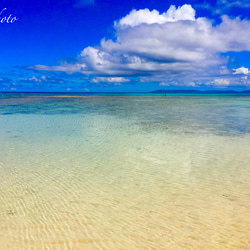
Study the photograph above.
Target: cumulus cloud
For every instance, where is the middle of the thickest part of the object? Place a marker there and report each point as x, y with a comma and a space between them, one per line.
173, 45
242, 70
145, 16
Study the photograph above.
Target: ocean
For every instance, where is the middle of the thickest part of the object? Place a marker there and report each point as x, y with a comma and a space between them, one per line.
124, 171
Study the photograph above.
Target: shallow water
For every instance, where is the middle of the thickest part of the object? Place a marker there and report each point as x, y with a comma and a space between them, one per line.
124, 172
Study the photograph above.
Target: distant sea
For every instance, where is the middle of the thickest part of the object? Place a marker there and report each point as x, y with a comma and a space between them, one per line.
124, 171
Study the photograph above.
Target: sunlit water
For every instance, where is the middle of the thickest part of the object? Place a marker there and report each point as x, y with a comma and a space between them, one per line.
124, 172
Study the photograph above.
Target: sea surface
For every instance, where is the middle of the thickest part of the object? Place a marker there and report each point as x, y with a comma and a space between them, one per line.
124, 172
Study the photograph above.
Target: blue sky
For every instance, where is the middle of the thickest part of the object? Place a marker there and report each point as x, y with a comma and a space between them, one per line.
111, 45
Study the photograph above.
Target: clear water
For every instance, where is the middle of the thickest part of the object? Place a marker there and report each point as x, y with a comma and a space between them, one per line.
124, 172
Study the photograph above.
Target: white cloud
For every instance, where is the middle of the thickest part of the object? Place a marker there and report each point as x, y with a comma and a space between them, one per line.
65, 67
242, 70
164, 84
177, 83
222, 82
173, 45
34, 79
110, 79
229, 81
41, 79
145, 16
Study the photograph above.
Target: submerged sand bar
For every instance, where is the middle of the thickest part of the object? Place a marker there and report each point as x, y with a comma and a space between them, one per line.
137, 172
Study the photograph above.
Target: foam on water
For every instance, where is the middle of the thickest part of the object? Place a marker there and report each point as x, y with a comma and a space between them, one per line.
124, 172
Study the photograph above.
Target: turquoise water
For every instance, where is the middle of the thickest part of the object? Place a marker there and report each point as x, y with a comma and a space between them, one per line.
124, 171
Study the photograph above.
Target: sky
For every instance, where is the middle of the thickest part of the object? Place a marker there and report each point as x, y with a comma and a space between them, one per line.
124, 46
